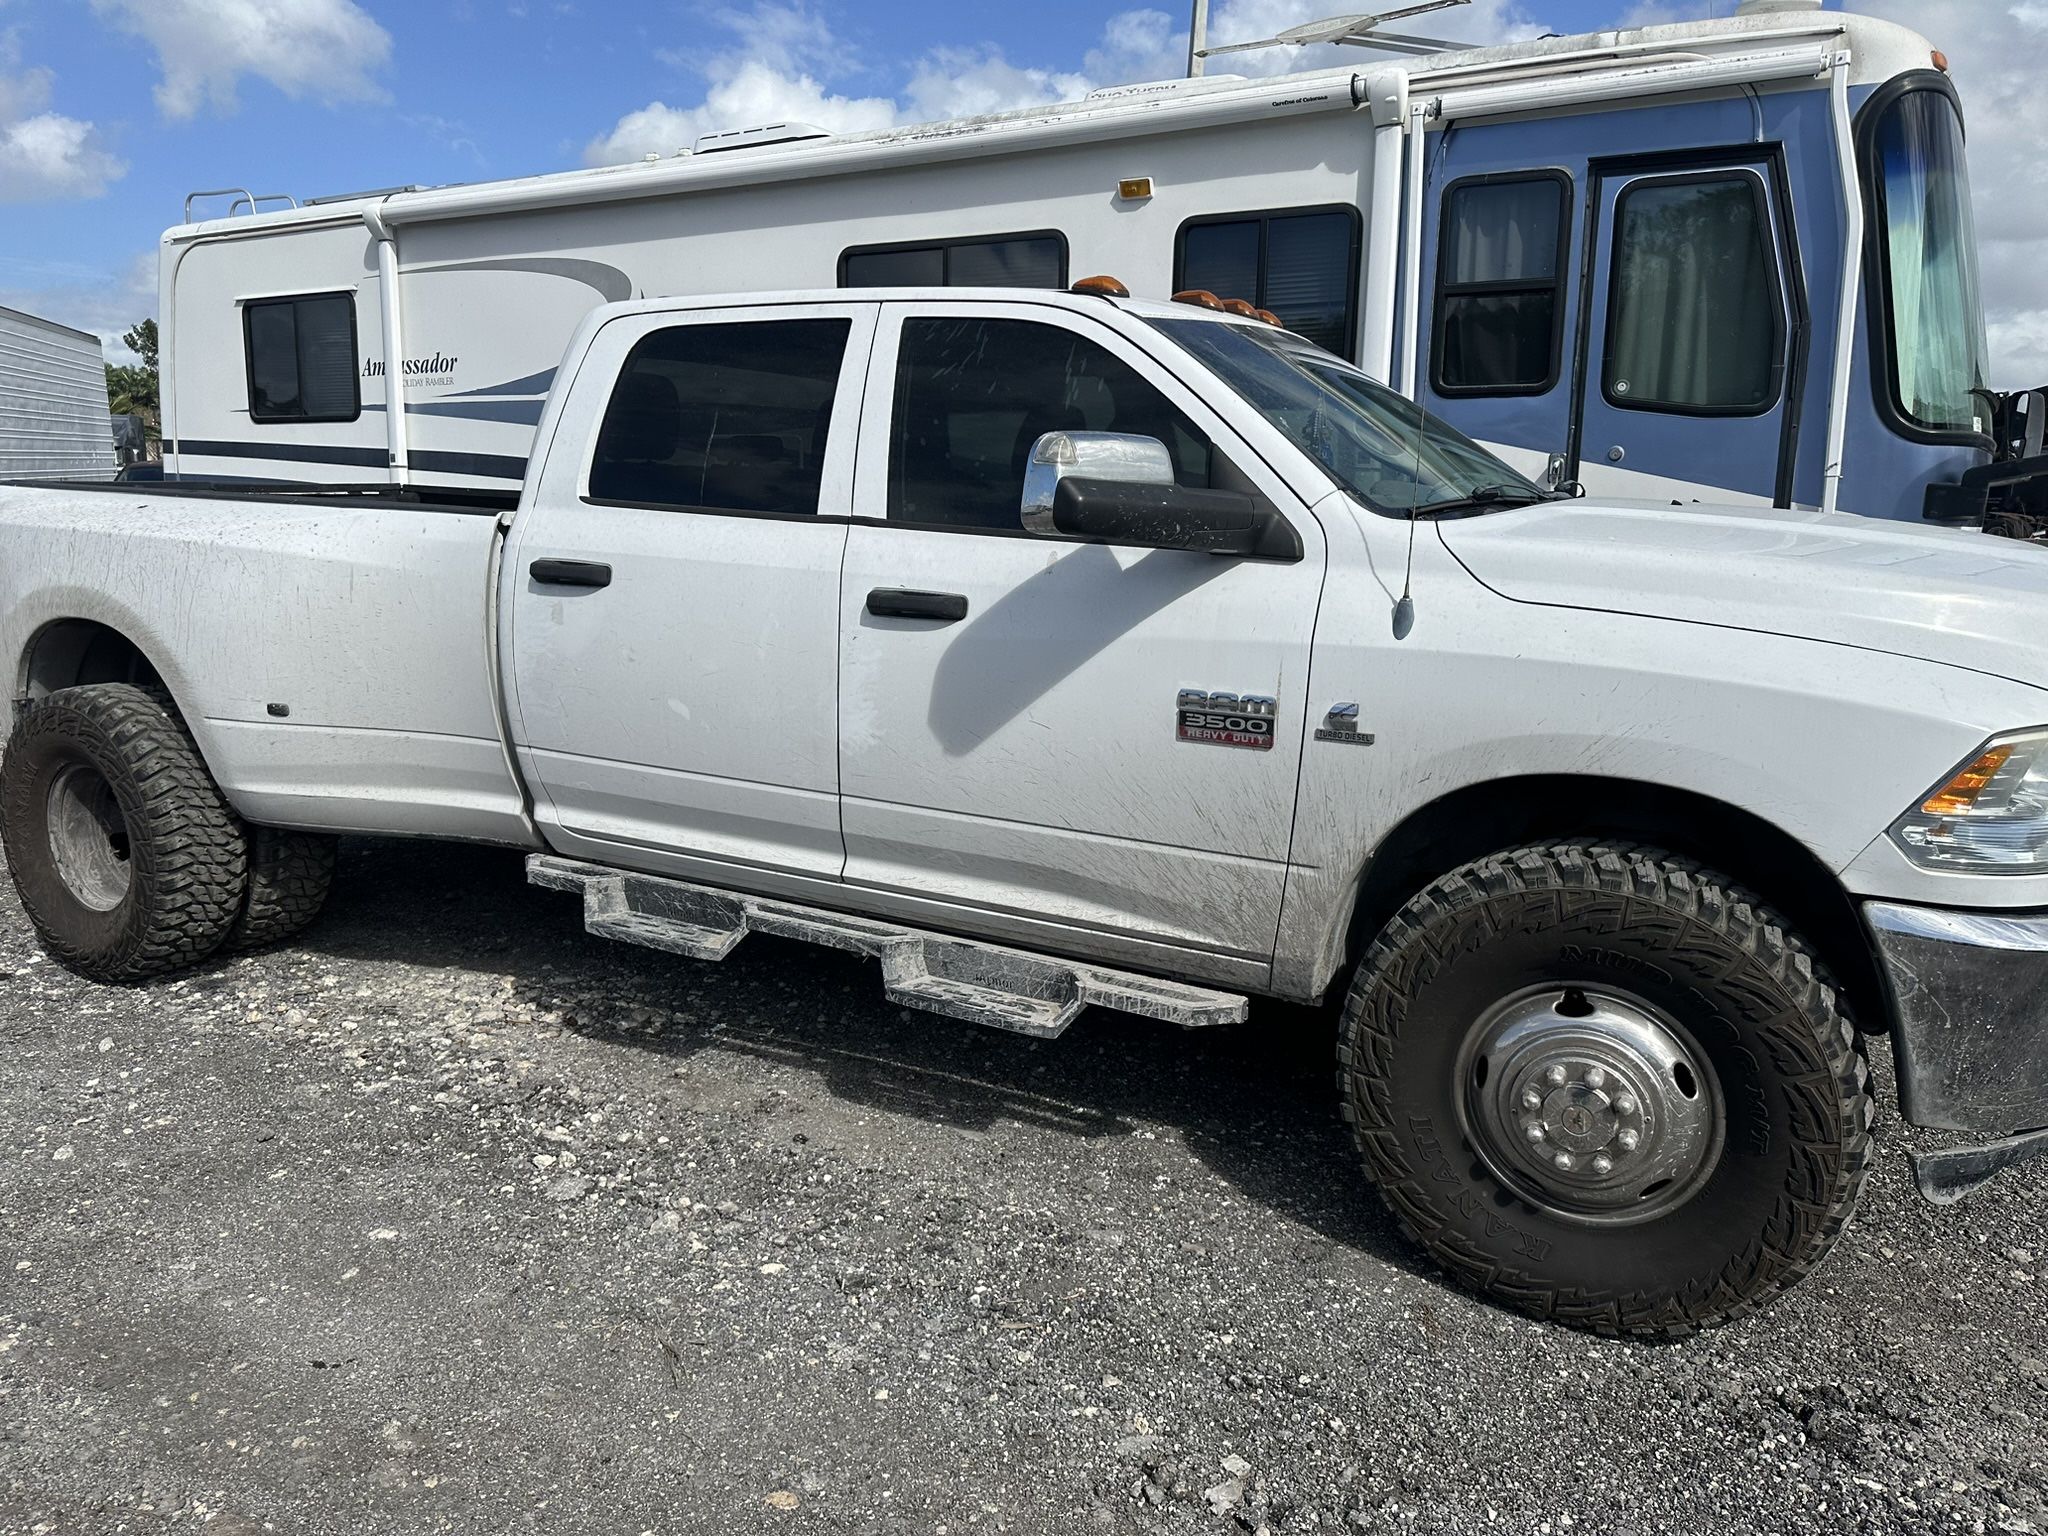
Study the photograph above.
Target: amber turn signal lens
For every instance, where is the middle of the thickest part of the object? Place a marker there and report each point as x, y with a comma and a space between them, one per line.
1961, 793
1201, 297
1102, 287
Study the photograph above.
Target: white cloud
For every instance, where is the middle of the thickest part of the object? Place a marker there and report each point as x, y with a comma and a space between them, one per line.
787, 58
45, 155
328, 50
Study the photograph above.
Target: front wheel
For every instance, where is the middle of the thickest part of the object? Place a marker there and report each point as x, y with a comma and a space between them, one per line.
1603, 1087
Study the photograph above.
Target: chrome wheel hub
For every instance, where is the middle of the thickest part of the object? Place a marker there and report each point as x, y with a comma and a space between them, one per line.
88, 837
1591, 1103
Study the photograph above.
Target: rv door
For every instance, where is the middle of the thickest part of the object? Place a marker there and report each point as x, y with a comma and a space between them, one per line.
1686, 346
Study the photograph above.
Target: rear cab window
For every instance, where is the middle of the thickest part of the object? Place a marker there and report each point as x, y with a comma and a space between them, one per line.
729, 417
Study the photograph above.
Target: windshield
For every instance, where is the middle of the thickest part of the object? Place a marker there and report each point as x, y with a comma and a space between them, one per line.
1385, 450
1930, 248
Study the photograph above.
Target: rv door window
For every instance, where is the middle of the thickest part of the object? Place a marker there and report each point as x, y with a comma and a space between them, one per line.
1695, 324
974, 396
302, 358
1301, 264
722, 418
1004, 261
1500, 282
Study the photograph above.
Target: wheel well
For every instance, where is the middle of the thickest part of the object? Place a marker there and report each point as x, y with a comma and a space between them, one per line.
73, 652
1487, 818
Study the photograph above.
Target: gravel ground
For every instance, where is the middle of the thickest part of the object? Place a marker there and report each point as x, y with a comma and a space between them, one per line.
453, 1219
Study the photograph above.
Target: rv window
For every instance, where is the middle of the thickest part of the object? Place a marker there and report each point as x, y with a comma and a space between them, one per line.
722, 418
974, 396
1694, 321
1500, 285
1301, 265
1006, 261
302, 358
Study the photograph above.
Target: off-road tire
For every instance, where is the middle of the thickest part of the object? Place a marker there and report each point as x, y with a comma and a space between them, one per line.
1748, 990
186, 853
289, 876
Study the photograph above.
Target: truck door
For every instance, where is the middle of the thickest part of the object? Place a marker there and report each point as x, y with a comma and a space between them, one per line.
1687, 339
1010, 730
672, 593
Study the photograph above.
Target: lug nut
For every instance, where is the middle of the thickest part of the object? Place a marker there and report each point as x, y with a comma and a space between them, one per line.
1533, 1129
1563, 1162
1603, 1164
1595, 1078
1555, 1077
1629, 1140
1531, 1099
1625, 1104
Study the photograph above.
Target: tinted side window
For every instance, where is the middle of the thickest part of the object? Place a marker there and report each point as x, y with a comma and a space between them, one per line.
1302, 266
974, 396
1007, 261
1500, 310
723, 418
1694, 322
302, 358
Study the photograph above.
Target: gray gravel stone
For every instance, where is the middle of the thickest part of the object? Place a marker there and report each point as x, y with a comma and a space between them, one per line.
828, 1265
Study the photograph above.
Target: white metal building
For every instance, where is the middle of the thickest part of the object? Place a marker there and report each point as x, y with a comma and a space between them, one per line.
53, 400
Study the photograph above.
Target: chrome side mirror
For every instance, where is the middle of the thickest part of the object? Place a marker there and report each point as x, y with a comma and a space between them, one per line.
1116, 456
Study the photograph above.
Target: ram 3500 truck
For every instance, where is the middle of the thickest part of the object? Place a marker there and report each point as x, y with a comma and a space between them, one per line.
1062, 649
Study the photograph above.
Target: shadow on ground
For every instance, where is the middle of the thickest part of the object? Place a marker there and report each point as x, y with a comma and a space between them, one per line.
1256, 1102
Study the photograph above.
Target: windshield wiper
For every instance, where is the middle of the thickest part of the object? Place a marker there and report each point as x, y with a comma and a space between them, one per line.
1487, 496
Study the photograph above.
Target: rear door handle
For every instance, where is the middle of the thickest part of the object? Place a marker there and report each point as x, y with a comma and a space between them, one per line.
571, 573
900, 603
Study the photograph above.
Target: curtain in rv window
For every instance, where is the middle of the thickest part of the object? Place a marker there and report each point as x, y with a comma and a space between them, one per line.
1694, 323
1301, 264
722, 418
302, 358
1005, 261
1500, 281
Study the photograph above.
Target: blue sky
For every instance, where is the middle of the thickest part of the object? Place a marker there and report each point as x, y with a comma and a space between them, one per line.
111, 110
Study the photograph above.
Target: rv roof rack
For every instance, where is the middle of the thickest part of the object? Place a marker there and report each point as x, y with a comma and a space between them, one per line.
240, 195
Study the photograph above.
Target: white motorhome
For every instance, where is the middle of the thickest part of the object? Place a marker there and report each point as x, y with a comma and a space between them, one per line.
1729, 260
53, 399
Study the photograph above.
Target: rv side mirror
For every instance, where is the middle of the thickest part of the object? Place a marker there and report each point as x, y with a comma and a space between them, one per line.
1113, 488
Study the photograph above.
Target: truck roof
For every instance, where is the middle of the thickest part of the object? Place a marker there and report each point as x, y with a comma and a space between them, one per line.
1881, 51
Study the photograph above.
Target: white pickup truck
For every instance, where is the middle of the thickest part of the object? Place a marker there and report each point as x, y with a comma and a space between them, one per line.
1063, 649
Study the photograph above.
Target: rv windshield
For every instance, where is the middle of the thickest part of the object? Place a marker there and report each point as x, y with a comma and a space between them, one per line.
1930, 257
1383, 449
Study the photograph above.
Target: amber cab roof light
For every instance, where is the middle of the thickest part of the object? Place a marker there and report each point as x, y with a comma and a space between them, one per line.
1201, 298
1101, 288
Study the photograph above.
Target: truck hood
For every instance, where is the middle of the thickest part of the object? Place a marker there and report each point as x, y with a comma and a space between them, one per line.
1955, 596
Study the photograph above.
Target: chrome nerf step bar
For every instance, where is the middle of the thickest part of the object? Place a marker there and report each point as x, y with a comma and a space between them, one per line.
1010, 989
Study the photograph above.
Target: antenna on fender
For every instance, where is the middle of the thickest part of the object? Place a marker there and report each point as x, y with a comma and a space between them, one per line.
1361, 31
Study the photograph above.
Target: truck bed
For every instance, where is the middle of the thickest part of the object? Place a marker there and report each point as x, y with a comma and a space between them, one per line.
327, 646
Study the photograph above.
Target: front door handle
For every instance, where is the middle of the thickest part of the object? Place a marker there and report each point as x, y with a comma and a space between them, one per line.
571, 573
900, 603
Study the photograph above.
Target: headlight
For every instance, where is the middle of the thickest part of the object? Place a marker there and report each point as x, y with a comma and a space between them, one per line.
1991, 818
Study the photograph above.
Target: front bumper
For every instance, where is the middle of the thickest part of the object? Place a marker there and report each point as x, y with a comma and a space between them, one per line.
1971, 1034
